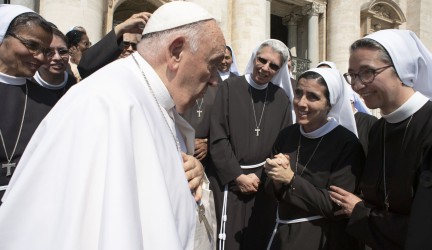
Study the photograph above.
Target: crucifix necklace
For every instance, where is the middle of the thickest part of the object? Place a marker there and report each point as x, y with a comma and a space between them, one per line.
258, 124
200, 208
9, 165
386, 192
199, 104
310, 158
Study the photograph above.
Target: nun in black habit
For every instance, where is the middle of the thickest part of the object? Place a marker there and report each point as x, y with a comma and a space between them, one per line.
391, 70
247, 115
320, 150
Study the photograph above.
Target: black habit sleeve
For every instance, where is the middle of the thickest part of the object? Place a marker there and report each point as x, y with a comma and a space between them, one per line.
220, 145
102, 53
316, 199
419, 230
341, 158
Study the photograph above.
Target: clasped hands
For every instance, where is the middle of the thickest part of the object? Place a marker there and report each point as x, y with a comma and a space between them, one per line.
279, 169
248, 183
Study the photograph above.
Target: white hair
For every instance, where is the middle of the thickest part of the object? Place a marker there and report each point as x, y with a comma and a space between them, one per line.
277, 46
154, 42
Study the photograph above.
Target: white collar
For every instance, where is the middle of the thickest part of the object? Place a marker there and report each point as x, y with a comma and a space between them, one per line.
412, 105
323, 130
12, 80
159, 88
224, 75
182, 130
37, 77
254, 84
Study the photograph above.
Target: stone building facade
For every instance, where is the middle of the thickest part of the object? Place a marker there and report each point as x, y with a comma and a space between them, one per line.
314, 30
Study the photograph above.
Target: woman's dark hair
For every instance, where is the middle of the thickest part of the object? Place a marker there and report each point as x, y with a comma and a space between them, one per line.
373, 45
26, 19
74, 37
60, 34
314, 75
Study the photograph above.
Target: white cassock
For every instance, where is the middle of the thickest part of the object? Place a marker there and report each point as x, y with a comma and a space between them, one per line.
102, 171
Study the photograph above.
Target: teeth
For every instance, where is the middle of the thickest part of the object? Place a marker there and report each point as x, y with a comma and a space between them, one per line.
302, 113
365, 94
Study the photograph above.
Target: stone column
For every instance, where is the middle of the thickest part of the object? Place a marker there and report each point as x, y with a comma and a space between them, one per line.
68, 13
291, 22
249, 23
343, 28
313, 10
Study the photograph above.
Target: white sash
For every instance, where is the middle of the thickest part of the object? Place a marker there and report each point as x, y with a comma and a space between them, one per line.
279, 221
222, 233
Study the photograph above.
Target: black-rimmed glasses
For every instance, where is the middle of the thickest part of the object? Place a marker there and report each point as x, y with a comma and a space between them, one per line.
63, 52
366, 76
264, 61
33, 47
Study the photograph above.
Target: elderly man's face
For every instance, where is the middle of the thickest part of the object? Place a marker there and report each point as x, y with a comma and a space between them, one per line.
199, 69
16, 55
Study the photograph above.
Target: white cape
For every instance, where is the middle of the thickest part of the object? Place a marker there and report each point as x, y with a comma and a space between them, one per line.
102, 171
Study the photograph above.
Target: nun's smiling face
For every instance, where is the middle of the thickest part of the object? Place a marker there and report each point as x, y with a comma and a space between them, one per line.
225, 65
311, 104
59, 61
266, 65
383, 91
16, 57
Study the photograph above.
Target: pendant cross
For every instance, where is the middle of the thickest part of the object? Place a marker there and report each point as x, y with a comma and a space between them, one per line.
257, 130
202, 217
8, 167
199, 111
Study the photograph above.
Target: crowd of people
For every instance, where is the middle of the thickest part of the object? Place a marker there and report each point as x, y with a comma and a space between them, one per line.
152, 139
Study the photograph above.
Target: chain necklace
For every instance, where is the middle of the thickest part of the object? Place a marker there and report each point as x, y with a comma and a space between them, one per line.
386, 194
157, 102
10, 165
310, 158
258, 124
199, 110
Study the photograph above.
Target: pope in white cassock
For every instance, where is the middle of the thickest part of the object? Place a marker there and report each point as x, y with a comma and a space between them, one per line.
104, 170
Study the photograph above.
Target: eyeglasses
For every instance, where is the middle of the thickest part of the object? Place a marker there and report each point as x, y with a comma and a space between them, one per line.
63, 52
33, 47
366, 76
264, 61
129, 43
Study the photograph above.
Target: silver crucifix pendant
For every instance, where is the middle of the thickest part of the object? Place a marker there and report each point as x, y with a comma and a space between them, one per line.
199, 111
203, 218
257, 130
8, 167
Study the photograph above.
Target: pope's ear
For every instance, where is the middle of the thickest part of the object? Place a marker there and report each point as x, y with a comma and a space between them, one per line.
175, 52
